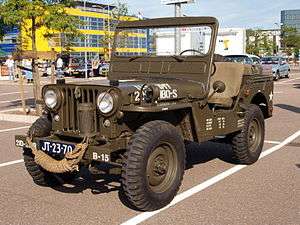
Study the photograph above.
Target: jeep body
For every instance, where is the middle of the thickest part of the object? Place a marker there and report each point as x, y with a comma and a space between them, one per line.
178, 89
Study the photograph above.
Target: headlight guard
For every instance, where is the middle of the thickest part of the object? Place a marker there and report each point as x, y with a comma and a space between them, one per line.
52, 99
107, 102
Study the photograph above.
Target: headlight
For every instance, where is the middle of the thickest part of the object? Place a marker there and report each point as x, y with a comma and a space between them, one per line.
51, 99
105, 102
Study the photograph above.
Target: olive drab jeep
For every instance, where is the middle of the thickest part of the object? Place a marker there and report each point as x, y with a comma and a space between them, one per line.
156, 97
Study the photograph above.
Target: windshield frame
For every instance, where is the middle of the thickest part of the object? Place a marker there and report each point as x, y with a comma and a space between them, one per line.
210, 22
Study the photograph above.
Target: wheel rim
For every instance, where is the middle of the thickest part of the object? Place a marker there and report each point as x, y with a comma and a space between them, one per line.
162, 167
254, 135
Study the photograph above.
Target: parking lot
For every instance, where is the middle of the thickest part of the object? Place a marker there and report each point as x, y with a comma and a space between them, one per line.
214, 190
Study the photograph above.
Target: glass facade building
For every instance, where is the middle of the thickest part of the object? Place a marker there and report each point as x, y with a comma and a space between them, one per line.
291, 18
9, 43
96, 18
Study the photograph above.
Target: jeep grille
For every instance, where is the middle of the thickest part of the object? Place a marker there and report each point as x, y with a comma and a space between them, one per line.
69, 111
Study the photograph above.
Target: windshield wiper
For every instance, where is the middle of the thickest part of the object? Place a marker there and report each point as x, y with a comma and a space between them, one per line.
135, 57
178, 58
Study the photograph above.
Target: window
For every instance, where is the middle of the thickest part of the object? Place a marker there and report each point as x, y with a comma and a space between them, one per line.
91, 23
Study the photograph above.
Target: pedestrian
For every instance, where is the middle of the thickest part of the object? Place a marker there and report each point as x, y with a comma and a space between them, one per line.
95, 66
59, 67
10, 63
27, 70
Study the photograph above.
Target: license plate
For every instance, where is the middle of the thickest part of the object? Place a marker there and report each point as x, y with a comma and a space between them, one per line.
56, 148
20, 141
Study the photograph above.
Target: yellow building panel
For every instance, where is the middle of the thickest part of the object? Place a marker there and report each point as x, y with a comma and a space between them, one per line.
140, 50
101, 50
44, 44
79, 12
103, 32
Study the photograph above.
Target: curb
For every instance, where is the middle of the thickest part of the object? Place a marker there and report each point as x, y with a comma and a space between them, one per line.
17, 118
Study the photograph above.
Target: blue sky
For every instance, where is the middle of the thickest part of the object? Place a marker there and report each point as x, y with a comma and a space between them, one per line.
231, 13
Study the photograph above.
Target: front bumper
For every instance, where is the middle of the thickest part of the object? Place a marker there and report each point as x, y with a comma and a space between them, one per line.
104, 153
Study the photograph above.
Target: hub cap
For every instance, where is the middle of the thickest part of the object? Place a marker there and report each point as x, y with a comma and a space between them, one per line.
161, 168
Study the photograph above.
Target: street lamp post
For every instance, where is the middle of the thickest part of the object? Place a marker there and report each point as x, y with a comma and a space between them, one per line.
177, 30
85, 53
178, 13
108, 29
280, 35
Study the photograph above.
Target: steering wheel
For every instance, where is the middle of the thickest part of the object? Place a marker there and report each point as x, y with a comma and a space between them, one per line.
191, 50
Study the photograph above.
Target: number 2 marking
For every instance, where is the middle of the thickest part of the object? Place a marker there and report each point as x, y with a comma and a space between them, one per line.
137, 96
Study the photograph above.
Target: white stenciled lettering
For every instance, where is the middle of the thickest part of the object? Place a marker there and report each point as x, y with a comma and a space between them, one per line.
95, 156
46, 146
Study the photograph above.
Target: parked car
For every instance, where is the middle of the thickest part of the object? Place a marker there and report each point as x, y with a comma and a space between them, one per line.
104, 69
280, 67
244, 59
76, 68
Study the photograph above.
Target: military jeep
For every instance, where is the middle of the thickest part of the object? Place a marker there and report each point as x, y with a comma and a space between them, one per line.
156, 97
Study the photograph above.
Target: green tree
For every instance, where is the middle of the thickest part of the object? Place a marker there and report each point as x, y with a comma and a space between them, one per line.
253, 40
115, 16
259, 42
31, 15
290, 40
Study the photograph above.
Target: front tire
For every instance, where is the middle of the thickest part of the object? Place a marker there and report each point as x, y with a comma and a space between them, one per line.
42, 128
154, 166
248, 143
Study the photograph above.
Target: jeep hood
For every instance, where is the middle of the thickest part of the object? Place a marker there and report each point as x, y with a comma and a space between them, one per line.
170, 89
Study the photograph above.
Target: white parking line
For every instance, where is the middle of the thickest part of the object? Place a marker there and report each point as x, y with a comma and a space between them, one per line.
11, 93
12, 129
200, 187
9, 101
11, 163
273, 142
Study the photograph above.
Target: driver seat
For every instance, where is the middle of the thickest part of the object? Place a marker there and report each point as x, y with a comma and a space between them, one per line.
231, 74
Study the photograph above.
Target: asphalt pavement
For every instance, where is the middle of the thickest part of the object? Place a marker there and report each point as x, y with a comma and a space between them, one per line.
214, 190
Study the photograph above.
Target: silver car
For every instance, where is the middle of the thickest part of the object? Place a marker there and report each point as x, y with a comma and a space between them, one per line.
280, 68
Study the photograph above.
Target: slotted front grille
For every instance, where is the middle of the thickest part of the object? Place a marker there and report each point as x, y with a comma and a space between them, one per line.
69, 110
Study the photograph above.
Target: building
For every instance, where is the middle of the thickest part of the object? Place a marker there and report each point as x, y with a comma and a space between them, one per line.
291, 18
231, 41
96, 18
9, 43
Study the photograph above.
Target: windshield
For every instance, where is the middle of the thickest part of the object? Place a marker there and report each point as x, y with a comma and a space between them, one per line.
270, 60
169, 41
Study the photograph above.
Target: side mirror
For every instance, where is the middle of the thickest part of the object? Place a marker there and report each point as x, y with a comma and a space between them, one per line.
219, 87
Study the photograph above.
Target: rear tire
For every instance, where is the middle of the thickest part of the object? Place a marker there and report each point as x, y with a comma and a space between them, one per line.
248, 143
277, 76
42, 128
288, 74
154, 166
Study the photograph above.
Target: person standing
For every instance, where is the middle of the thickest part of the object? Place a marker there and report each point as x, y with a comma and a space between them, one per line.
59, 67
10, 63
27, 68
95, 66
